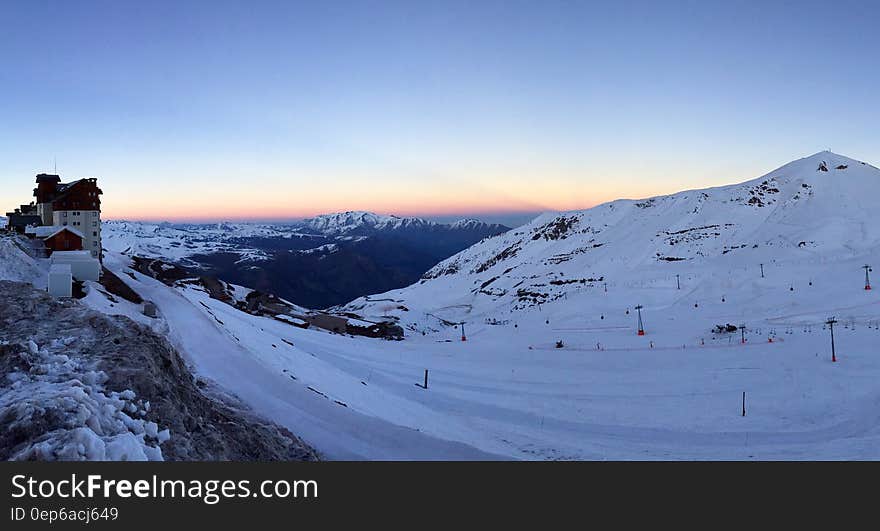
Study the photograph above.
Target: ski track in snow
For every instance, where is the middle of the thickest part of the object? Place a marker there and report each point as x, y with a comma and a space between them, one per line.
337, 432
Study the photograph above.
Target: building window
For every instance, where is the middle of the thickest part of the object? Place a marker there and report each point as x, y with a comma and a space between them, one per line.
95, 233
94, 244
94, 224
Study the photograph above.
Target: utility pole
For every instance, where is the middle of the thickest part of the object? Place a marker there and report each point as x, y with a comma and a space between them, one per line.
641, 325
867, 269
677, 282
742, 330
830, 322
762, 270
463, 337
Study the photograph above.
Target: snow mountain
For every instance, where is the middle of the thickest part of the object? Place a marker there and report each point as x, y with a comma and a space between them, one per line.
819, 208
363, 223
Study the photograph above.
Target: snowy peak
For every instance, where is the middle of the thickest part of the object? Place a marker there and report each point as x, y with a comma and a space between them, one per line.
360, 223
470, 224
798, 211
352, 222
824, 162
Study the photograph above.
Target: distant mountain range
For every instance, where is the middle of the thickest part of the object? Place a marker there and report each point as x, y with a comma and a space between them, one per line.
318, 262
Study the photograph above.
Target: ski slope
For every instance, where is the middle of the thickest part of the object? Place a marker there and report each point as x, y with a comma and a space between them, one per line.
507, 392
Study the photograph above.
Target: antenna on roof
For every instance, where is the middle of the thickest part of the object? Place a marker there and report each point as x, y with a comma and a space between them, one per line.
55, 165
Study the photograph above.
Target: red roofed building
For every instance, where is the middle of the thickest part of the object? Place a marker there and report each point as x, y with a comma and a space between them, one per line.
57, 238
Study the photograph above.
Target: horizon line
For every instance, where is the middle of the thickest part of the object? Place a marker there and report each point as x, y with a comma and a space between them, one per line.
296, 218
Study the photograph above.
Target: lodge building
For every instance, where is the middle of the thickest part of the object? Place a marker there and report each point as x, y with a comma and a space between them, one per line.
76, 205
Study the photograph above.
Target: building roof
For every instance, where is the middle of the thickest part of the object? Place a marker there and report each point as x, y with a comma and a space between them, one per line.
59, 193
63, 190
21, 220
47, 232
48, 177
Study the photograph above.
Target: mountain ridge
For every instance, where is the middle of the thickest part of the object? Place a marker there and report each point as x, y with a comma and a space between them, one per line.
811, 206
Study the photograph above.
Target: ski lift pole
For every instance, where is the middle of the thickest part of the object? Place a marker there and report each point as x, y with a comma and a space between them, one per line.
830, 322
641, 324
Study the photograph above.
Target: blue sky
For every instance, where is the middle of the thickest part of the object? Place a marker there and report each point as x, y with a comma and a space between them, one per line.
284, 109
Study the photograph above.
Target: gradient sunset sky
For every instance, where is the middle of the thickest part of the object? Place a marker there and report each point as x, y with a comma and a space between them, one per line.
276, 110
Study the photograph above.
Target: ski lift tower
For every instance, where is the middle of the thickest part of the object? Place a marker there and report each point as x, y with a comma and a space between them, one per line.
463, 337
641, 325
867, 269
830, 322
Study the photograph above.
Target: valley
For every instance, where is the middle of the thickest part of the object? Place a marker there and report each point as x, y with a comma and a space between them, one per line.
317, 263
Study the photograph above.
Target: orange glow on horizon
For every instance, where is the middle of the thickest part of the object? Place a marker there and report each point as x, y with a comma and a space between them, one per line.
286, 198
281, 214
144, 211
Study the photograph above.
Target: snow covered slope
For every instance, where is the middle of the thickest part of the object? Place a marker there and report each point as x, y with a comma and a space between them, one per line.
298, 378
16, 265
814, 210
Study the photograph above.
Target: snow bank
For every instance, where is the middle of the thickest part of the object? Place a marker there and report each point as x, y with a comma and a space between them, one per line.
17, 266
55, 408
